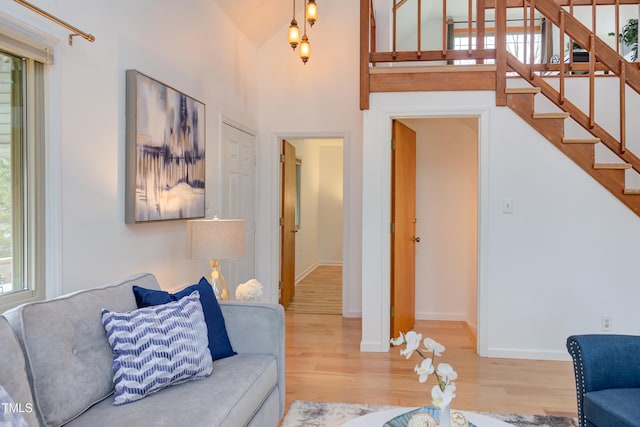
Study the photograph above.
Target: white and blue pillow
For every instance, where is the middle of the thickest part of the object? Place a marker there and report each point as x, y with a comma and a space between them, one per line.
219, 343
156, 347
10, 415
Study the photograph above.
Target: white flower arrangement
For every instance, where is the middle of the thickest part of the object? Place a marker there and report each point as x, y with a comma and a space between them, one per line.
249, 291
444, 391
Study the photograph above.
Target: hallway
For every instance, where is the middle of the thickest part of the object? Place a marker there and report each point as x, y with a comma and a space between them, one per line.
320, 292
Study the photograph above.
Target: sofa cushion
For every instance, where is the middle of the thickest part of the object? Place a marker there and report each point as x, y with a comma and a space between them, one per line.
613, 407
230, 396
156, 347
219, 344
66, 347
13, 375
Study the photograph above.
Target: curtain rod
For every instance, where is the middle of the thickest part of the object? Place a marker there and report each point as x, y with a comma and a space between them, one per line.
75, 31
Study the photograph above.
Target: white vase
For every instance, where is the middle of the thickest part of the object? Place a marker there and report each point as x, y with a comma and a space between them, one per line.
445, 416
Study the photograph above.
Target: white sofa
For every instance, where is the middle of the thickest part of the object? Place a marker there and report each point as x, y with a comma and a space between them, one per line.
60, 370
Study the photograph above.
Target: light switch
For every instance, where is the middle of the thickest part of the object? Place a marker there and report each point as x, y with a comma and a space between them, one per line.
507, 206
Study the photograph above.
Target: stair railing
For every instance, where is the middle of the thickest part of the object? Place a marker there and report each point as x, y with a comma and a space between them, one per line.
445, 53
602, 58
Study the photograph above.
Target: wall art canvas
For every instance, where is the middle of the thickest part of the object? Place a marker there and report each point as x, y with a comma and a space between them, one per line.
165, 131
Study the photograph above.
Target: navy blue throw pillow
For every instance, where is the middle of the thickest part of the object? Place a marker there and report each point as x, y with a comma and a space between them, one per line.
219, 344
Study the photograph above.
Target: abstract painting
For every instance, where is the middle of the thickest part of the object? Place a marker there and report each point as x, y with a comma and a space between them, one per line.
165, 137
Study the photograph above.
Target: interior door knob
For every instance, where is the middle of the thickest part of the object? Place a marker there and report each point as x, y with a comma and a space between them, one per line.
416, 239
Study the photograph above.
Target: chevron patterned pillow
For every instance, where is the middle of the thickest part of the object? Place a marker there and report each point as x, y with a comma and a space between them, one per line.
155, 347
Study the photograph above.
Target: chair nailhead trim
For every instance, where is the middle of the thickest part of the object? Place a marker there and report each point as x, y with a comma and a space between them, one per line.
578, 369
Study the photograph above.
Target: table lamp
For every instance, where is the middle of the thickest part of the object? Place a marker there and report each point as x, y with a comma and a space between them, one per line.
216, 239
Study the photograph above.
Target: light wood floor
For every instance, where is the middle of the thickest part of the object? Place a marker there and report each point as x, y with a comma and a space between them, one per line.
320, 292
324, 364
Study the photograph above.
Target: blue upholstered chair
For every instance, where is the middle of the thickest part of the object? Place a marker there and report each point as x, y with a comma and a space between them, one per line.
607, 370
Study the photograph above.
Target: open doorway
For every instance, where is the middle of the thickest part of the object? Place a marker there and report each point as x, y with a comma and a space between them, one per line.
318, 230
446, 265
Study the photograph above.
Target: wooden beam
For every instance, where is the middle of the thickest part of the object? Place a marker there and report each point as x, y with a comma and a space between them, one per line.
411, 80
372, 28
399, 4
501, 52
480, 25
431, 55
364, 54
432, 69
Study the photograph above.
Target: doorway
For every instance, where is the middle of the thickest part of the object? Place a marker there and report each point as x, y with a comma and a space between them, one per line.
446, 267
317, 248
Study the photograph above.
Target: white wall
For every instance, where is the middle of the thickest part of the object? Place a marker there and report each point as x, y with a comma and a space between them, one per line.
319, 239
565, 257
320, 99
195, 49
330, 204
307, 235
447, 218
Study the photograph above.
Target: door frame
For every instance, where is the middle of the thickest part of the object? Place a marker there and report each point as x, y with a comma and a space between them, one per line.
375, 236
272, 262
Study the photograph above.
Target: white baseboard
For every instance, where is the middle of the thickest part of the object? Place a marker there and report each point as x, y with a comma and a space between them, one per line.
352, 314
374, 347
305, 273
426, 315
337, 263
527, 353
308, 271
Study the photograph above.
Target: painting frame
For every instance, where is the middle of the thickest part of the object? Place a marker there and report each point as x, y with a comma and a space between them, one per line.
165, 152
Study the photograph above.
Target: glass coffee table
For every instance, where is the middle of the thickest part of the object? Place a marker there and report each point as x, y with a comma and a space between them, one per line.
377, 419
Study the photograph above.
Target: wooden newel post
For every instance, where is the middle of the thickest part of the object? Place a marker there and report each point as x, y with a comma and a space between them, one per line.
364, 54
501, 52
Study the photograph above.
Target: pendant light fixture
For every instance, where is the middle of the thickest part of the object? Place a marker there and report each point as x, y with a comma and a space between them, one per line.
312, 12
294, 30
305, 49
310, 16
305, 46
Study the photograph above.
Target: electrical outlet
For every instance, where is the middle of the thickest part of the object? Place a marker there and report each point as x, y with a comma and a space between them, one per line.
606, 323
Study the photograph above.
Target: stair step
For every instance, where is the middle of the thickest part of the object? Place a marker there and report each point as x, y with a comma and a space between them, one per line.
581, 140
561, 115
611, 166
631, 191
532, 90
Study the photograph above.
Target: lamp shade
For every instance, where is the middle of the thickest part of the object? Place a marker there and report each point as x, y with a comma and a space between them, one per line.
215, 238
305, 49
294, 34
312, 12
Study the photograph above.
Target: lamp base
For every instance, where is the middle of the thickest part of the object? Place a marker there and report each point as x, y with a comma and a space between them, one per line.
218, 283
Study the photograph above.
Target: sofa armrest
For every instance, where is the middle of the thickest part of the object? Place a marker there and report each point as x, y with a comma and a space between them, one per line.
257, 328
602, 362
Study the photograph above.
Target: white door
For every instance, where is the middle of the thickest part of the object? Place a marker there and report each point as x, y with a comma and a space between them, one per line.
237, 166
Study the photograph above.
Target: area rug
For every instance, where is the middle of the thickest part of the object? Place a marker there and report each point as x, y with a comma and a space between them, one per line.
327, 414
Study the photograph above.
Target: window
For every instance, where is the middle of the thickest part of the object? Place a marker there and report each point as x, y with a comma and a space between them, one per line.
21, 180
516, 41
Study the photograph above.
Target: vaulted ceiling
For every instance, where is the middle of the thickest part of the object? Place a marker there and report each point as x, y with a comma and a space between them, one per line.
260, 19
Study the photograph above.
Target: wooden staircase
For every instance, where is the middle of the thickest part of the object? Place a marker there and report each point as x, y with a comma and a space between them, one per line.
601, 58
580, 150
552, 125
